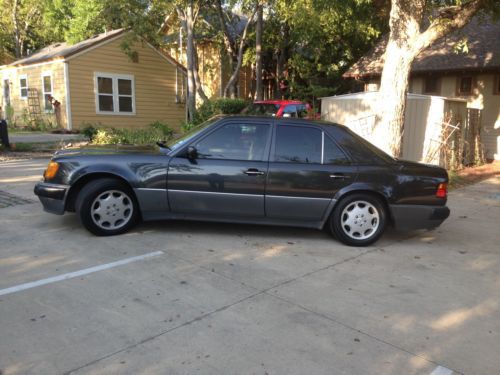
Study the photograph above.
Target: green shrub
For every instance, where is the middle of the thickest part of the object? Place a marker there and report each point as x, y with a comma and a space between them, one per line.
89, 131
162, 127
186, 126
230, 106
219, 106
9, 116
156, 132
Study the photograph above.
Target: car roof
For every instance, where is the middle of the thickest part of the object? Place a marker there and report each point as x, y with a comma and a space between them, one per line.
281, 102
278, 120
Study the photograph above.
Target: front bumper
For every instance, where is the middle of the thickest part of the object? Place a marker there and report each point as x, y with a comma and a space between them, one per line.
409, 217
52, 196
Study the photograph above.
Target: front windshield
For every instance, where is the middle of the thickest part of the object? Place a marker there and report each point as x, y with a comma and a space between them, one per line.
179, 141
262, 109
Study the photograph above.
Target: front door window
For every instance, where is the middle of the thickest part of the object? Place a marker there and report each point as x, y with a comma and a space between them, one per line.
235, 142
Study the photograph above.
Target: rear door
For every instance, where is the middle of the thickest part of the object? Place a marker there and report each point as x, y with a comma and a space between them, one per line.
306, 169
227, 179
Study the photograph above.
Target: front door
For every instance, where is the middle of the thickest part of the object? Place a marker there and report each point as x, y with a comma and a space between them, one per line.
227, 178
306, 169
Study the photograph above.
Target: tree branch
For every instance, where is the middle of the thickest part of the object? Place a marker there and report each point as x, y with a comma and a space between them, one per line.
243, 38
449, 19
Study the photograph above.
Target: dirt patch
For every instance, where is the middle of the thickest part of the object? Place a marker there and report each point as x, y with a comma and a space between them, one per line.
472, 175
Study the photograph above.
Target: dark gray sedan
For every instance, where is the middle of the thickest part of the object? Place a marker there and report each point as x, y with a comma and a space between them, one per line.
249, 170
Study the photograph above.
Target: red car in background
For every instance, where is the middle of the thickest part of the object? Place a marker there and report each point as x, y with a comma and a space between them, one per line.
281, 108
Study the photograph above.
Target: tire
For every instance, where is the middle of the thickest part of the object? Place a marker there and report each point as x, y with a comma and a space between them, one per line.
107, 207
358, 220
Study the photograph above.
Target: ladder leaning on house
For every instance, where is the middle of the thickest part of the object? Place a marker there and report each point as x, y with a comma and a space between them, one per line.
34, 110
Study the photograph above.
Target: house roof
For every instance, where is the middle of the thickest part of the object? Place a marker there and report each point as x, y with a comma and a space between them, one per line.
58, 51
482, 35
61, 50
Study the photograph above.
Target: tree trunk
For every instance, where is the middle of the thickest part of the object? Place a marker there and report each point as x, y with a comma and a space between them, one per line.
233, 80
406, 41
282, 58
187, 17
259, 90
197, 81
392, 99
17, 31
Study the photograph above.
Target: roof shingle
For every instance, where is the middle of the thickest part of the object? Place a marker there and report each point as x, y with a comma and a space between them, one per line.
483, 44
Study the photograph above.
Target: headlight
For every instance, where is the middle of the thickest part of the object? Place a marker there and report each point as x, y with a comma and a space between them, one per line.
51, 170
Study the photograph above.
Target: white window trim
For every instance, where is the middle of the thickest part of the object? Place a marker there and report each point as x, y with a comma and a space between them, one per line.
115, 78
20, 77
47, 74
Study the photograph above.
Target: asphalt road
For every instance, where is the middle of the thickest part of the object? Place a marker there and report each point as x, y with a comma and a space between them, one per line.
198, 298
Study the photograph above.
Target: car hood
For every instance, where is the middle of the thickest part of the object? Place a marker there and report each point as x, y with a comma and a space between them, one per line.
98, 150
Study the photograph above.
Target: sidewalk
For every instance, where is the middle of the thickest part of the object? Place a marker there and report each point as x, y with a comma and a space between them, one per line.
44, 137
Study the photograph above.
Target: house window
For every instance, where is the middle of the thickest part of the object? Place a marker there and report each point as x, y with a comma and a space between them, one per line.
47, 91
465, 85
23, 86
431, 85
115, 94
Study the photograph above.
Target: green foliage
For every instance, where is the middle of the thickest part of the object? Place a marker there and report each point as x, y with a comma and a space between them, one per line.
9, 115
157, 131
214, 107
89, 131
21, 147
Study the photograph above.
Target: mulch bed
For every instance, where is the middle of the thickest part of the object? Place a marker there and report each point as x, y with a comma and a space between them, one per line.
468, 176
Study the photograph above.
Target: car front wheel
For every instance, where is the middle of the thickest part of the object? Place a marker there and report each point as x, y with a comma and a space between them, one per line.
106, 207
358, 220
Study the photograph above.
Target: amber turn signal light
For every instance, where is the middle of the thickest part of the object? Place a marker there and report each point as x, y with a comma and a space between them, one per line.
51, 170
442, 190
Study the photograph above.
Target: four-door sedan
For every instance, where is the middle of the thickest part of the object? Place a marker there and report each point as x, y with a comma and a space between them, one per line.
249, 170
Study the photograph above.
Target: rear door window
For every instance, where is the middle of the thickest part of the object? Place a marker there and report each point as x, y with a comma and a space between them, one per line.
332, 154
297, 144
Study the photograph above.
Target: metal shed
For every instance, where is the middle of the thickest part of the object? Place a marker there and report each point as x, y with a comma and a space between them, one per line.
429, 120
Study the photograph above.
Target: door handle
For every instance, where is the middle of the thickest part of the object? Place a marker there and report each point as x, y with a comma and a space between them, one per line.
253, 172
339, 176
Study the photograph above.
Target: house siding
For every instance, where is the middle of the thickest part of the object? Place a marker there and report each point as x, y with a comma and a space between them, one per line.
155, 86
482, 98
34, 76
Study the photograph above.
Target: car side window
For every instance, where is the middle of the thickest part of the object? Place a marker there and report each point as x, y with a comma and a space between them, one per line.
290, 110
302, 111
296, 144
235, 142
332, 154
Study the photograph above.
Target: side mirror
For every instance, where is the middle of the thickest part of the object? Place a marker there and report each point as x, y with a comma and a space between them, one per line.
192, 153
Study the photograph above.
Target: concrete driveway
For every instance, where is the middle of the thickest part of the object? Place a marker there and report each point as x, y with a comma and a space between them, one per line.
186, 298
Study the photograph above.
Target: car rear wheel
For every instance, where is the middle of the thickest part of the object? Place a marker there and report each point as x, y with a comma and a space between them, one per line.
107, 207
358, 220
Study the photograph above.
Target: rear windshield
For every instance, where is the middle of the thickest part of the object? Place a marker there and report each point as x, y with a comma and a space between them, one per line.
262, 109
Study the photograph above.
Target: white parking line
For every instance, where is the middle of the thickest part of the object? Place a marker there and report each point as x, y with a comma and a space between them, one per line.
74, 274
440, 370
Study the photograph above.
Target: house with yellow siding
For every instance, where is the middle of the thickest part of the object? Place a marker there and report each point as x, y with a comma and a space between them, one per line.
95, 82
471, 74
213, 64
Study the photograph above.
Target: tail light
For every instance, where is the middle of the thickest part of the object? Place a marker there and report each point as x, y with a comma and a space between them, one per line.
442, 190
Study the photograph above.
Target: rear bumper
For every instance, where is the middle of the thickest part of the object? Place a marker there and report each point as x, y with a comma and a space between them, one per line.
408, 217
52, 196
